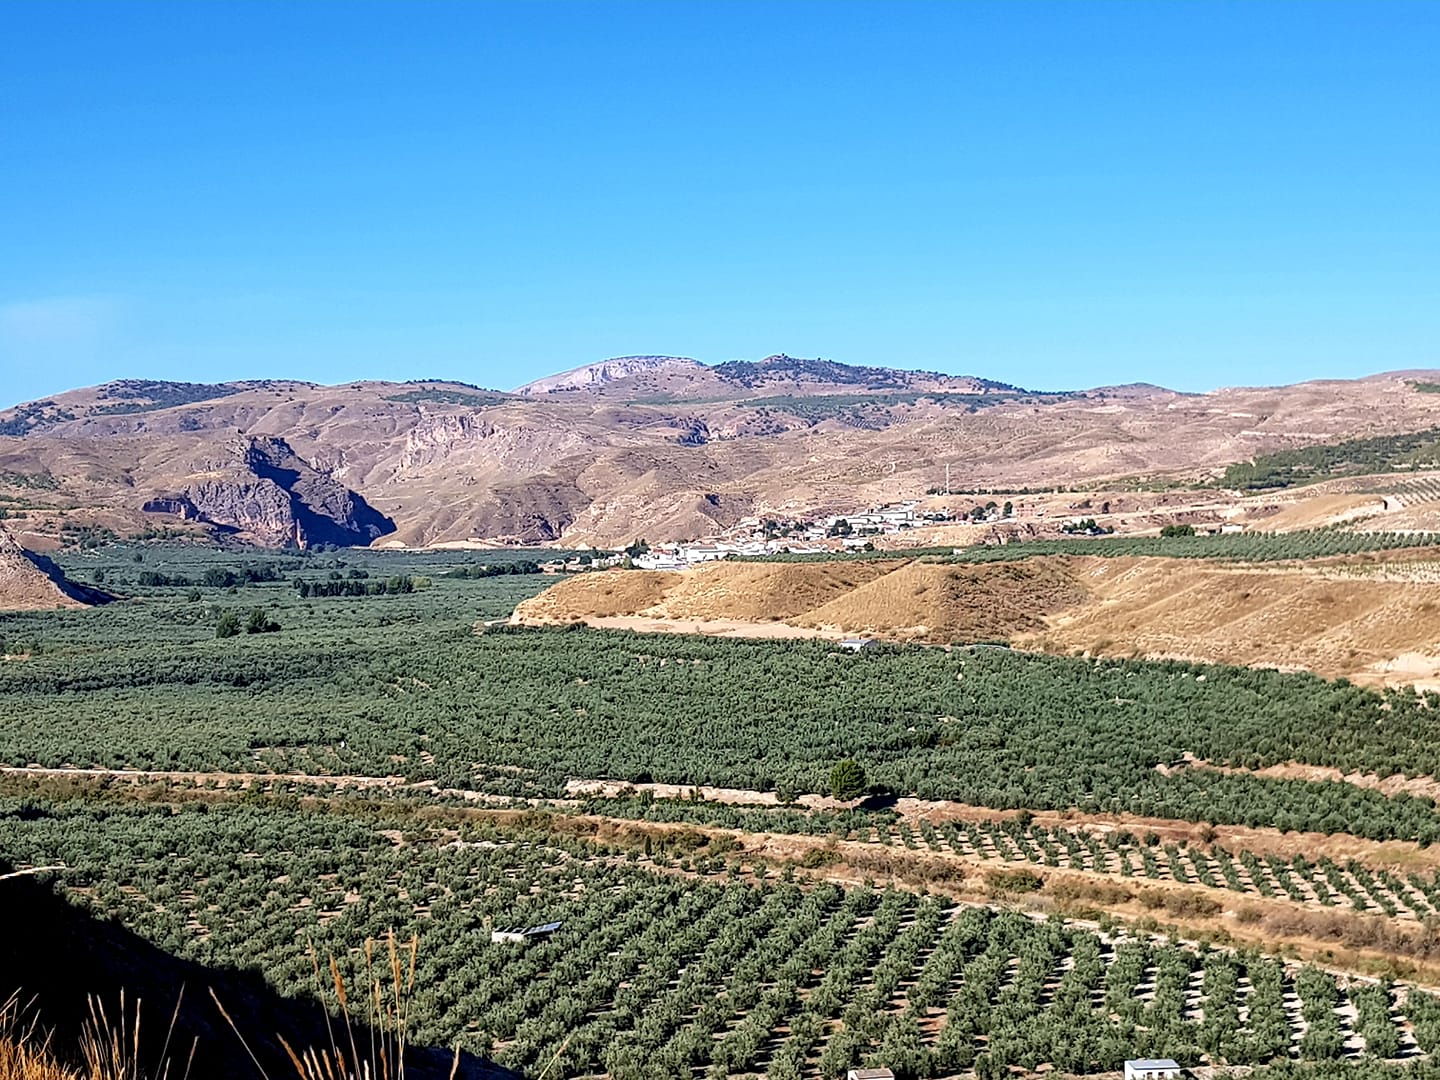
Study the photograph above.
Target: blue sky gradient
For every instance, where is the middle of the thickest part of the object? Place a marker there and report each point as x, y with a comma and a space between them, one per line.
1054, 195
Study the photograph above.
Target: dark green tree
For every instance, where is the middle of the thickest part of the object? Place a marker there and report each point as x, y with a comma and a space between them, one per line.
847, 780
228, 626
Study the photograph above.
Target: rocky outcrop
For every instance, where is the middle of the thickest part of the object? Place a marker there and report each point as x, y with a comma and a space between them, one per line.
695, 432
272, 495
591, 376
30, 582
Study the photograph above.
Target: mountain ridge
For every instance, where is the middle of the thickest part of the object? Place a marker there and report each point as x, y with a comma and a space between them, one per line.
663, 450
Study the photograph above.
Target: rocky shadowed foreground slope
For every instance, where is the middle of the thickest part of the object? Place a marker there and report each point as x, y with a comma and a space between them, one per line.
31, 582
65, 955
658, 447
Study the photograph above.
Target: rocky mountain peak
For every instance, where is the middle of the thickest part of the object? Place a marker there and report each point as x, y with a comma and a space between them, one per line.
592, 376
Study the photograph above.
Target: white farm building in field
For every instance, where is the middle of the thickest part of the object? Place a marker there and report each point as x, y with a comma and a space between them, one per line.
520, 934
1151, 1069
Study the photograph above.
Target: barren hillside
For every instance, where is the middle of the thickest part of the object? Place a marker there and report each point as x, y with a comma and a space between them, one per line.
908, 599
30, 582
1375, 618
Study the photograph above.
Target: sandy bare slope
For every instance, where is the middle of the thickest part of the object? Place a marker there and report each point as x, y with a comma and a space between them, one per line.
1376, 619
31, 583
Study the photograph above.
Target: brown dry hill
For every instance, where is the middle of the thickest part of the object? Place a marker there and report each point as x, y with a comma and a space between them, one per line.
742, 592
1374, 618
30, 582
1377, 619
936, 601
891, 598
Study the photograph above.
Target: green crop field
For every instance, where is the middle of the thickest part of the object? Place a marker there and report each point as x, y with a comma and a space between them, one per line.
690, 957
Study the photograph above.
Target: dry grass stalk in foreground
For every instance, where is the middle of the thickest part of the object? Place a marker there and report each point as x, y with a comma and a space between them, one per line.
387, 1015
111, 1051
20, 1060
23, 1054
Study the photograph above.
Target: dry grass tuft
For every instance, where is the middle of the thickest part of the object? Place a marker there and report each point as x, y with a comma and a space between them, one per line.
110, 1046
110, 1049
24, 1054
386, 1014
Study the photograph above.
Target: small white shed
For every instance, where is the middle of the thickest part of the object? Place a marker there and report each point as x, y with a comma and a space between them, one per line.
1151, 1069
520, 934
869, 1074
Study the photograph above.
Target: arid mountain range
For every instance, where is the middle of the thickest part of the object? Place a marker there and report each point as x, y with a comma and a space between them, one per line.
661, 447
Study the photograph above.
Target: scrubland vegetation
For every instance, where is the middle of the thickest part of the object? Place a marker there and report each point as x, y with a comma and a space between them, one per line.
1352, 457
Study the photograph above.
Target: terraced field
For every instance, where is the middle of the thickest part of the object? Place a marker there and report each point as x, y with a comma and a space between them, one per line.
377, 765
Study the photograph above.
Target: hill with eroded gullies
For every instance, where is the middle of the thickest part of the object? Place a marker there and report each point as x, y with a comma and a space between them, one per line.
1375, 618
656, 447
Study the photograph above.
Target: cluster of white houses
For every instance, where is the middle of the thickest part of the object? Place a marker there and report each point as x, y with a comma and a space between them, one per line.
750, 537
684, 556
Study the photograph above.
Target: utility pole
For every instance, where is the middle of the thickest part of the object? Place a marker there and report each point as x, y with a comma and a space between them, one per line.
947, 478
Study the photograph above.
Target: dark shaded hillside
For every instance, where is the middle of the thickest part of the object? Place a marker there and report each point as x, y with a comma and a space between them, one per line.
58, 956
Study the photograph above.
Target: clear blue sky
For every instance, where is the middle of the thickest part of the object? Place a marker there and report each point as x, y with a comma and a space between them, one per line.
1049, 194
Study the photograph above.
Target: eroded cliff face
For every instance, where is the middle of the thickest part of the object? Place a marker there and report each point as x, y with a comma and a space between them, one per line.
270, 494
